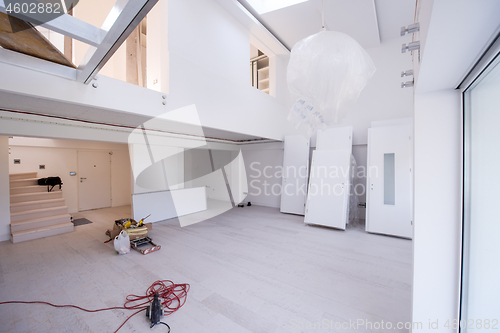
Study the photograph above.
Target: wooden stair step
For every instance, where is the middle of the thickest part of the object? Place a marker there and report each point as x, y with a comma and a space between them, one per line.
37, 204
24, 175
37, 213
30, 234
40, 222
16, 198
23, 182
31, 189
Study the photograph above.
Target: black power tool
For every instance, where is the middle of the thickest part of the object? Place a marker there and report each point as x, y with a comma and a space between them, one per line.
155, 312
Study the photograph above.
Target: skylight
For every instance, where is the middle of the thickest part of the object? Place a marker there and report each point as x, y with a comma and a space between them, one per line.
266, 6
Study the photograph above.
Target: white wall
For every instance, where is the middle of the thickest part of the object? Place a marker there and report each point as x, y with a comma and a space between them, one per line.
262, 163
196, 164
60, 158
222, 158
4, 189
199, 173
120, 176
383, 98
166, 173
208, 37
209, 67
437, 207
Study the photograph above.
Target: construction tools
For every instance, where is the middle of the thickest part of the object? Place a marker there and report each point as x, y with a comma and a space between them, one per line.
155, 312
137, 232
130, 223
134, 244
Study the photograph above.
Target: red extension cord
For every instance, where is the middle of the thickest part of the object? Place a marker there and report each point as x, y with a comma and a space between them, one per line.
174, 297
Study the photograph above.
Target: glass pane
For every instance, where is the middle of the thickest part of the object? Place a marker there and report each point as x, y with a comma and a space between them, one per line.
389, 179
482, 227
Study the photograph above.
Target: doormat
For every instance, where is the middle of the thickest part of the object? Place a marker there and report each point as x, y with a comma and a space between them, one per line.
81, 221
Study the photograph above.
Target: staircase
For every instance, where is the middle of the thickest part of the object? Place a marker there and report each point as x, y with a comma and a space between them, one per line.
34, 212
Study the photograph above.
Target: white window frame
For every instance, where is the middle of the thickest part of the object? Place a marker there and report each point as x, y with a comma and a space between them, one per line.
485, 64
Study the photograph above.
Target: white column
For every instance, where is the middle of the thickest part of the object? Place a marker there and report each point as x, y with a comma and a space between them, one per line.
4, 189
437, 210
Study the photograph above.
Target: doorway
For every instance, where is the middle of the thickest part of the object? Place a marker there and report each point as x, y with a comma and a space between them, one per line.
389, 181
94, 180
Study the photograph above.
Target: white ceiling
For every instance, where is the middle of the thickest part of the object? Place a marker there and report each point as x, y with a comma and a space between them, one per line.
367, 21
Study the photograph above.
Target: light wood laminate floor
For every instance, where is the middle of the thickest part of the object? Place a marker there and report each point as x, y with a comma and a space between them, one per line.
251, 269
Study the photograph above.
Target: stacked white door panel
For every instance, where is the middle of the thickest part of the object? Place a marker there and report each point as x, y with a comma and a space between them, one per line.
337, 138
389, 181
328, 196
295, 174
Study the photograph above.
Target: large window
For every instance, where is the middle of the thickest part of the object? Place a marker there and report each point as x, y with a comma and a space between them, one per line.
481, 232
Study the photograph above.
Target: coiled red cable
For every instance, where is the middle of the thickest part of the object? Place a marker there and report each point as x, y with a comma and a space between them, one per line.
173, 297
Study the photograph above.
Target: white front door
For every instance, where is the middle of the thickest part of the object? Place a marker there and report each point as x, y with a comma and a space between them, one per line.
94, 180
389, 181
295, 174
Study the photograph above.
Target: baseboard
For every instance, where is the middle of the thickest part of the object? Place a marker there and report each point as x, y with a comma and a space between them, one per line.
4, 237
